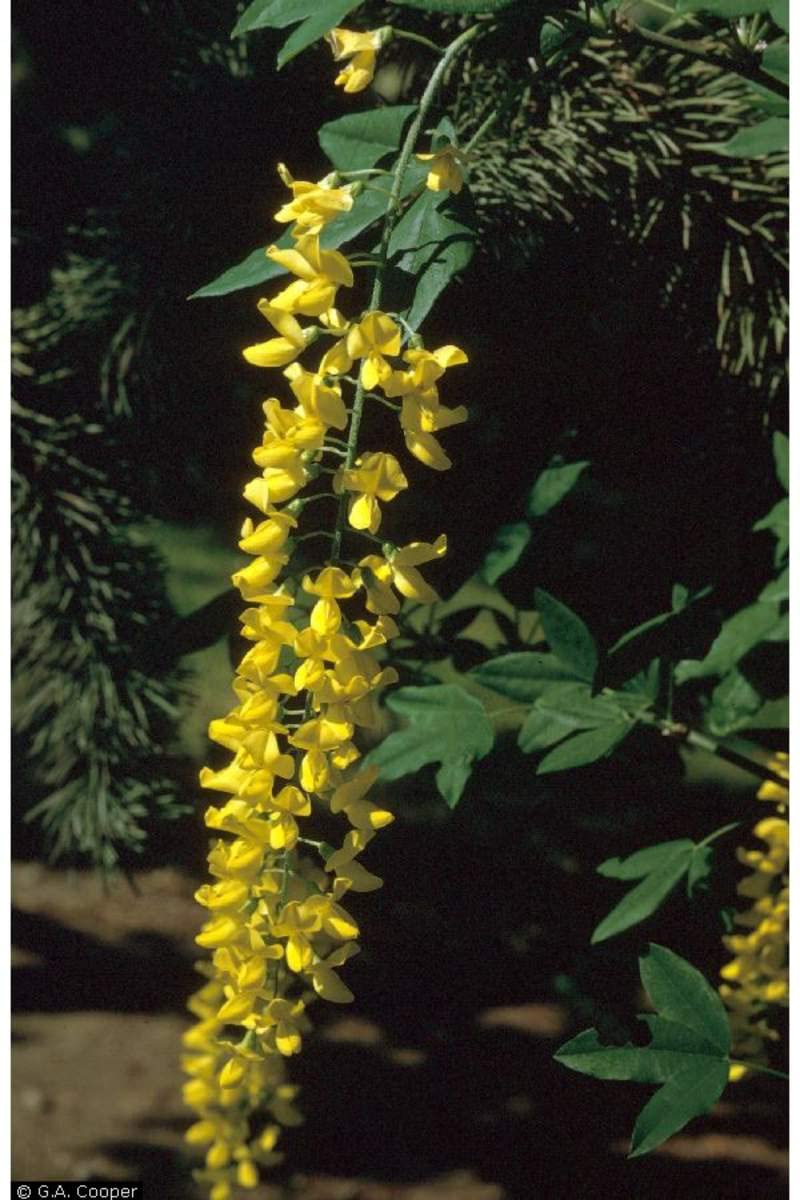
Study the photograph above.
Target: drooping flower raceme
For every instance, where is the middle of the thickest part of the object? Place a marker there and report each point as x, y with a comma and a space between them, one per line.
757, 977
278, 927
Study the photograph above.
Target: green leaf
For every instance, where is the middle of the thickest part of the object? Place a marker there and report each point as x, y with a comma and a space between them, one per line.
325, 15
459, 6
432, 241
360, 140
509, 543
273, 14
777, 590
644, 862
521, 676
734, 701
688, 1052
552, 486
775, 60
567, 635
779, 11
542, 729
689, 1093
777, 521
584, 748
576, 702
770, 136
562, 709
445, 725
739, 634
669, 861
726, 9
681, 994
780, 451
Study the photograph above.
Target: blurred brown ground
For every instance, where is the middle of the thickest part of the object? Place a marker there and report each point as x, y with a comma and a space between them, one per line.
99, 981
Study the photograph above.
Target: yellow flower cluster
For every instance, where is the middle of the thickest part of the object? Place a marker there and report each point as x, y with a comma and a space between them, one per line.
758, 975
276, 926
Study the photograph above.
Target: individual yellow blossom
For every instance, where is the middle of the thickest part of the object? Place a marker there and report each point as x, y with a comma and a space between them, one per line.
425, 368
374, 477
361, 49
446, 173
317, 398
331, 584
419, 423
313, 205
320, 274
278, 351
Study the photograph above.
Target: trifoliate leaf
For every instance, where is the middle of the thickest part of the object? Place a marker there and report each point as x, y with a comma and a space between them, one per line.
584, 748
552, 486
359, 140
445, 725
567, 635
666, 864
688, 1052
510, 542
522, 676
660, 868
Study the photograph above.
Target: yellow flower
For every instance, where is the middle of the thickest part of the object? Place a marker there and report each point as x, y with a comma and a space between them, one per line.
374, 477
277, 352
419, 422
316, 398
313, 204
320, 274
361, 49
446, 172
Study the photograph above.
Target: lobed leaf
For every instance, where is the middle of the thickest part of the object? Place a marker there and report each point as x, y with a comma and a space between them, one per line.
688, 1052
446, 726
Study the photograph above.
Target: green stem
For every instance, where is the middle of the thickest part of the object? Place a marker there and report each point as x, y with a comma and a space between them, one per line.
392, 213
701, 741
757, 1067
408, 36
748, 69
